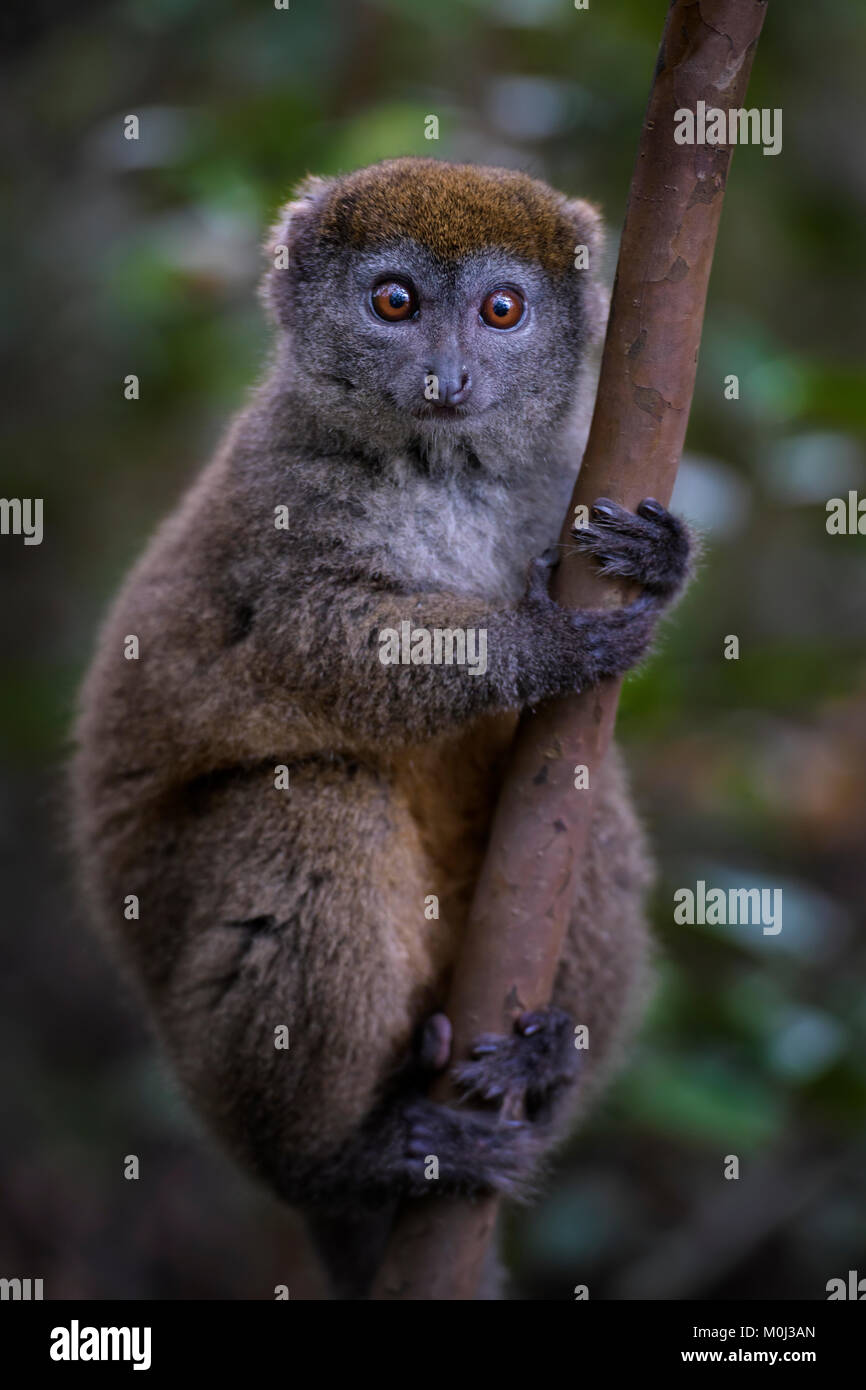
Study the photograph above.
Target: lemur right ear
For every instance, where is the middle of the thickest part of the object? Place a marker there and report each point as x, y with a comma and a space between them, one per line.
300, 207
283, 238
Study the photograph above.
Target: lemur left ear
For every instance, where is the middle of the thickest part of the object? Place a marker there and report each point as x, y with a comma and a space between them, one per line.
589, 231
284, 236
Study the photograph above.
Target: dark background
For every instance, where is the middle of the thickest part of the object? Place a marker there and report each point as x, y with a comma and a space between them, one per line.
143, 257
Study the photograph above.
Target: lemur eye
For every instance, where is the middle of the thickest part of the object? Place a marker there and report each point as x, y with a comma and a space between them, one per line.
503, 309
393, 301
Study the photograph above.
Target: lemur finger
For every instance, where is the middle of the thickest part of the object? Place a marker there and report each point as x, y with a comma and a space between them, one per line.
650, 545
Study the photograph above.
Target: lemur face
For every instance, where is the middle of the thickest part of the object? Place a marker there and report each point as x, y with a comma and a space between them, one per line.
444, 343
433, 298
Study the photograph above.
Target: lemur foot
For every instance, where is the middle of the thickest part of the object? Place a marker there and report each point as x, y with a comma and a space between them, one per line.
524, 1073
529, 1069
473, 1153
650, 546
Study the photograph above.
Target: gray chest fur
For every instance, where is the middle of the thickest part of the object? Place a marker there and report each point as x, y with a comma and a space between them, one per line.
474, 539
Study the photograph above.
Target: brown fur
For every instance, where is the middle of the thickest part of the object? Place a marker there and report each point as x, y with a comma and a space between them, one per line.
457, 211
261, 907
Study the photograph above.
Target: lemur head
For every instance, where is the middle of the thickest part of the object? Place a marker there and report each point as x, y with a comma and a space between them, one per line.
439, 304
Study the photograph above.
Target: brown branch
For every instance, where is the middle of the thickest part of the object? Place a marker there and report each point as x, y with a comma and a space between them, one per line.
526, 886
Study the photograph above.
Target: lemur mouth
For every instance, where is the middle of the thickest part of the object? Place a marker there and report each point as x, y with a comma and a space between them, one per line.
436, 413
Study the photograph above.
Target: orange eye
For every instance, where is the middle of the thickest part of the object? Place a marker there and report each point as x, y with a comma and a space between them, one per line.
393, 301
503, 309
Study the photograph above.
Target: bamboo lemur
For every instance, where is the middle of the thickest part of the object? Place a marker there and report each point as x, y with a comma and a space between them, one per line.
259, 647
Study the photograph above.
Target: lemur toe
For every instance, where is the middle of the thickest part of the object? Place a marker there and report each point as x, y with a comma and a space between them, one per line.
652, 509
534, 1063
434, 1046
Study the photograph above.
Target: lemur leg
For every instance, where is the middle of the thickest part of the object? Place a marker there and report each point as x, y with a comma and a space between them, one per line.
339, 1120
336, 954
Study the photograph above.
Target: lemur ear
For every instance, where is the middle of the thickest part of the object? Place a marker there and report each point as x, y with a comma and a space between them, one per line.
284, 236
588, 224
291, 217
589, 231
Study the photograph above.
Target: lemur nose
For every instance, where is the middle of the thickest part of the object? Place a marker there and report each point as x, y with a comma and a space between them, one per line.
454, 385
456, 389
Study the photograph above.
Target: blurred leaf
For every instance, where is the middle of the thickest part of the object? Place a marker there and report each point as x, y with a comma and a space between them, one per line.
701, 1098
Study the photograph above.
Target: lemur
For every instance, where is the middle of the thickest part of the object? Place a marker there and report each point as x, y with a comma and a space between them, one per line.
275, 801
